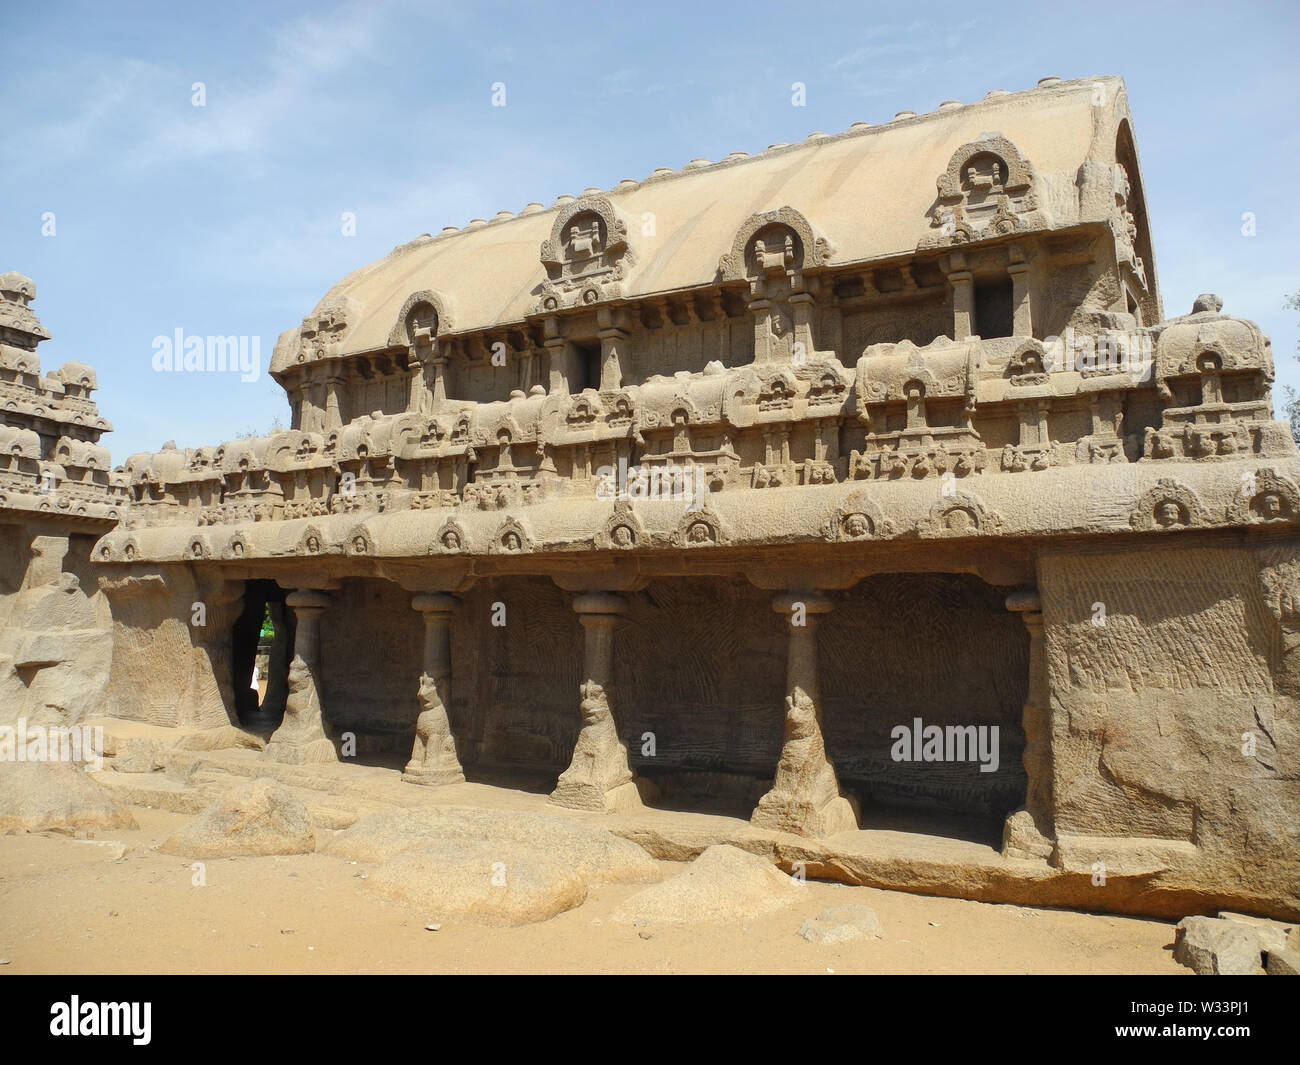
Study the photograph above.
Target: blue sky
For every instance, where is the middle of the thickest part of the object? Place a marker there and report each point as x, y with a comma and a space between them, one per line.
225, 219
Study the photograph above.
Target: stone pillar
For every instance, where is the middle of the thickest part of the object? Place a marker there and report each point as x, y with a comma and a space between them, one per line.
301, 737
433, 757
558, 350
1022, 316
611, 370
963, 296
760, 313
313, 406
1028, 832
801, 306
598, 777
333, 383
805, 796
438, 368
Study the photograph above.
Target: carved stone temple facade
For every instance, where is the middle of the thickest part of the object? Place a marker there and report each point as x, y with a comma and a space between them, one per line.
700, 491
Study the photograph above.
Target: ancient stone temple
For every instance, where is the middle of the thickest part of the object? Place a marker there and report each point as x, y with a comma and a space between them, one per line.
58, 495
860, 484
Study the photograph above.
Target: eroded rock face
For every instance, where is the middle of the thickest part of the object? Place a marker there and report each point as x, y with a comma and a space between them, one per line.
56, 796
489, 883
253, 818
722, 884
589, 851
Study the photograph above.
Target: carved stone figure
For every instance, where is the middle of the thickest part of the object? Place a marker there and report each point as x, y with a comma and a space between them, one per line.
599, 764
433, 758
805, 796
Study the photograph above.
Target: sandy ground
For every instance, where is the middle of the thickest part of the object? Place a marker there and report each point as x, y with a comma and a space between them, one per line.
71, 906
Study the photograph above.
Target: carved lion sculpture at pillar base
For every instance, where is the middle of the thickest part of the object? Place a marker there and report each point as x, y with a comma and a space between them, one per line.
598, 777
433, 757
805, 796
301, 737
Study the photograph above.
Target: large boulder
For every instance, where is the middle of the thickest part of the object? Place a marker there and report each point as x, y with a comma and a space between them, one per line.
482, 882
1213, 947
722, 884
255, 817
57, 796
591, 852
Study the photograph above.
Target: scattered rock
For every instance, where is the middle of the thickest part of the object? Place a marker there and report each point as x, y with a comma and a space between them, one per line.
591, 852
1272, 936
253, 818
1213, 947
840, 924
722, 884
56, 796
138, 754
1283, 963
489, 883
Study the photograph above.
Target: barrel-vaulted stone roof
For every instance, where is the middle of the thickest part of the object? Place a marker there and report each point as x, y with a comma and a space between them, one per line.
870, 193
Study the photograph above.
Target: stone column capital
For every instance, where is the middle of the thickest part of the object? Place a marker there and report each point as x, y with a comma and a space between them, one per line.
429, 603
307, 599
1025, 601
812, 602
610, 603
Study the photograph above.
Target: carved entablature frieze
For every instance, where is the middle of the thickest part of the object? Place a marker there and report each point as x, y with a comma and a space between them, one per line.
858, 517
306, 508
1207, 440
960, 514
1099, 449
312, 542
511, 538
1017, 458
1027, 367
236, 547
778, 243
586, 256
450, 539
622, 530
986, 191
827, 386
699, 528
620, 410
360, 541
893, 373
777, 391
1265, 498
774, 475
423, 313
1168, 505
583, 411
498, 495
